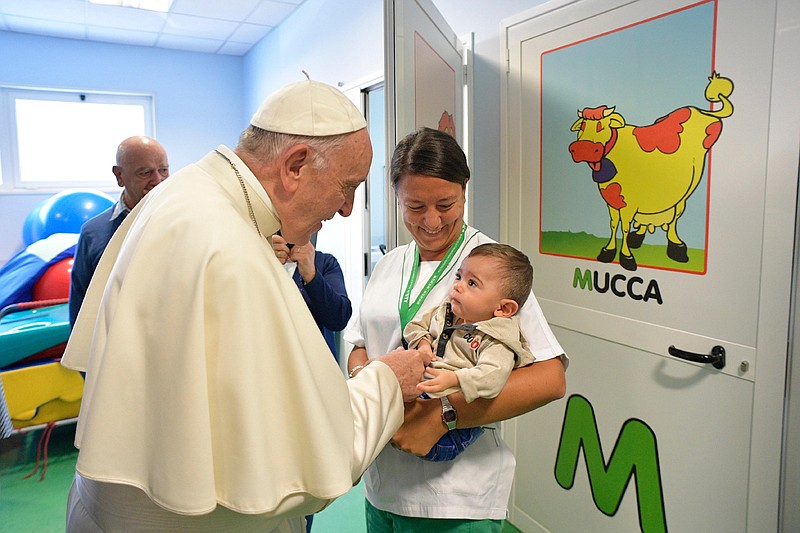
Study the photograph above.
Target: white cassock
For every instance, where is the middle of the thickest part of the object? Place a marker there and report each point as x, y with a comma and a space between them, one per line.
207, 381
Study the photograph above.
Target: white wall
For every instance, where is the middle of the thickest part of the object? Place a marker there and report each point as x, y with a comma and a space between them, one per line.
333, 40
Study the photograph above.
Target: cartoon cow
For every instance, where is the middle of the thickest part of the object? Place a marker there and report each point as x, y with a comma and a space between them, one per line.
646, 173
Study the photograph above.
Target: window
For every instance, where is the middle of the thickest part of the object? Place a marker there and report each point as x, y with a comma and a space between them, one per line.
57, 139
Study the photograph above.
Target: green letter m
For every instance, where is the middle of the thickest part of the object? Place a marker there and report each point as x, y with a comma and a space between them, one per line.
583, 279
635, 453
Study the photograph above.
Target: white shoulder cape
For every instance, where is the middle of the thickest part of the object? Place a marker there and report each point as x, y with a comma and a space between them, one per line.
207, 380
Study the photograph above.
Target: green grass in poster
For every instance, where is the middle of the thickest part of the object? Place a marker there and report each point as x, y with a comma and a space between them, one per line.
584, 245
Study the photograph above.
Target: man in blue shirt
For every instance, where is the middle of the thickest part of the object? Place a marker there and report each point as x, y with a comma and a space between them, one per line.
321, 282
141, 165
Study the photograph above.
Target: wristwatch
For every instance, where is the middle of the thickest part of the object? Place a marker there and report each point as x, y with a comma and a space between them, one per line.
449, 415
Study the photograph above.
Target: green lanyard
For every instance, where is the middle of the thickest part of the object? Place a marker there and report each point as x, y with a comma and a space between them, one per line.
409, 310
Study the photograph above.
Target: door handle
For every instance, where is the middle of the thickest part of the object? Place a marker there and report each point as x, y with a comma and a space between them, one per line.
715, 359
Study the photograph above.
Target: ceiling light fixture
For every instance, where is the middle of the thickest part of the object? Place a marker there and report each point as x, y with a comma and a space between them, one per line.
151, 5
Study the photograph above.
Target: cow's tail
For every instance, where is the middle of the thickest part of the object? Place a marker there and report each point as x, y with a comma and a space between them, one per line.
718, 90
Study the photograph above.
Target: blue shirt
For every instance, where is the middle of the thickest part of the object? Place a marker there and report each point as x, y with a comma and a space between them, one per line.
94, 237
326, 297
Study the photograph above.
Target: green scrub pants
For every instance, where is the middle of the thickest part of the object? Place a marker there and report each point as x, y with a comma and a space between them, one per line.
385, 522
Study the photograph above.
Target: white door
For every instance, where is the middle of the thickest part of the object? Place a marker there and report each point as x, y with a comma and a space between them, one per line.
427, 71
645, 176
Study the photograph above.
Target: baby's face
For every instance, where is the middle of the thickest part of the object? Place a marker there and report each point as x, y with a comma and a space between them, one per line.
476, 294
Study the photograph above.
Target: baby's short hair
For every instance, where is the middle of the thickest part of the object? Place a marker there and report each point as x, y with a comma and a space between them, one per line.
515, 270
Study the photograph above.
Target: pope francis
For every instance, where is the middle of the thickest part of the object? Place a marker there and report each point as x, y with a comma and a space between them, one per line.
211, 401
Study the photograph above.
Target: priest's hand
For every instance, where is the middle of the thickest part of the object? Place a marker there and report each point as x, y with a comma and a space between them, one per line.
408, 366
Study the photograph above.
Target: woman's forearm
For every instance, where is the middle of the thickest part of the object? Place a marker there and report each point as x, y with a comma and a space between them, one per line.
527, 388
358, 357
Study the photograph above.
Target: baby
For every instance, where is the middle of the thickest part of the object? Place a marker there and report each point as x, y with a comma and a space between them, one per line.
476, 334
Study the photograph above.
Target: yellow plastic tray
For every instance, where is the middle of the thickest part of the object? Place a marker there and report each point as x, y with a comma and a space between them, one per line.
42, 393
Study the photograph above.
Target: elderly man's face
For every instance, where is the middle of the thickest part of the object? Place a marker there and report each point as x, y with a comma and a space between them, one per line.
324, 193
143, 167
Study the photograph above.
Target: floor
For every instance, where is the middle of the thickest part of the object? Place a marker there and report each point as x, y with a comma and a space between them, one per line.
38, 505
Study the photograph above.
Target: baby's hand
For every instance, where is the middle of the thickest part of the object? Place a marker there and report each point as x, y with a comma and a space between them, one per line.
426, 349
441, 380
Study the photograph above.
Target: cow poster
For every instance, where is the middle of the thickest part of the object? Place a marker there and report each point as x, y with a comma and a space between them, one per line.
629, 118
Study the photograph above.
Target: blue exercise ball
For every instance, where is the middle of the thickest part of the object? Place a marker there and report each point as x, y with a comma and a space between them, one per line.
64, 212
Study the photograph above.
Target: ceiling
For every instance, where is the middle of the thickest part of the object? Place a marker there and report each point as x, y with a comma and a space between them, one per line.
229, 27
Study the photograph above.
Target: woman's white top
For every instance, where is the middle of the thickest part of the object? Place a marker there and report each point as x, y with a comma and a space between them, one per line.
477, 484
